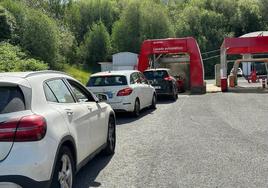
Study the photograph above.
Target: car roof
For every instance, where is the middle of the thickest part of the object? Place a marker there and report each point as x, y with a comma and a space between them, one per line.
22, 78
115, 73
157, 69
29, 74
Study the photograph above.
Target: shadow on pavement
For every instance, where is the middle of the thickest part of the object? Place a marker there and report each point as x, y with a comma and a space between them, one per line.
126, 117
165, 99
88, 174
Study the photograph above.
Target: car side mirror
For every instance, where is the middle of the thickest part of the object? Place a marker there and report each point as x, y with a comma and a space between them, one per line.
102, 97
150, 82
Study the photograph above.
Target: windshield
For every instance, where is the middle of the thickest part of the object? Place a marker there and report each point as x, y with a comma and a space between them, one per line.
107, 81
160, 74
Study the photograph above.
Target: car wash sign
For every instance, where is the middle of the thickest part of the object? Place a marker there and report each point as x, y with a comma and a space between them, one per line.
165, 47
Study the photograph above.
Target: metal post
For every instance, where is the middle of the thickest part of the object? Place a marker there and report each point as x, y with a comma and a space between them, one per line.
224, 84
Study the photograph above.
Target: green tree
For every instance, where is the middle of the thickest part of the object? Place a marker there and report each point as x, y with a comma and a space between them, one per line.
40, 37
7, 25
126, 31
12, 58
138, 22
72, 19
248, 17
96, 46
67, 46
19, 11
155, 22
82, 14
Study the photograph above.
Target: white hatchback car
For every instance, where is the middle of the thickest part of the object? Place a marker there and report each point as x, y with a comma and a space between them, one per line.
126, 90
50, 126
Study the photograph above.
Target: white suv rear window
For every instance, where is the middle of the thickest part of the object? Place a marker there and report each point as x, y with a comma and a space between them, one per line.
107, 81
12, 100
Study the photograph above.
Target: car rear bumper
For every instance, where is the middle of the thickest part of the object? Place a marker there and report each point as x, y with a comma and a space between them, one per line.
30, 162
15, 181
165, 91
122, 106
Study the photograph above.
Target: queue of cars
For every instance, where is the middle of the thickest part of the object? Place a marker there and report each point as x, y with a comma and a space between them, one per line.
51, 125
131, 90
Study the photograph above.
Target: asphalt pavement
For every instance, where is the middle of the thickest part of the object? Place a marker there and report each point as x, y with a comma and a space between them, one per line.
213, 140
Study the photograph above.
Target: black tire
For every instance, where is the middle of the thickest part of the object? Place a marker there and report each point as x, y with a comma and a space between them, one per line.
136, 112
59, 175
174, 95
153, 105
111, 137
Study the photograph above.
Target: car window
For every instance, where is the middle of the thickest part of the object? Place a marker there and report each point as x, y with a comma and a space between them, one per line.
107, 81
80, 93
49, 94
60, 91
134, 78
143, 79
12, 100
159, 74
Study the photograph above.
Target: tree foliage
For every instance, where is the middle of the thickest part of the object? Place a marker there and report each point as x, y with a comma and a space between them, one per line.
66, 31
126, 31
40, 37
12, 58
138, 22
7, 25
83, 14
96, 46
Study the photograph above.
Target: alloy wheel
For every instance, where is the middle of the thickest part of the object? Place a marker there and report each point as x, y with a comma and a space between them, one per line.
65, 176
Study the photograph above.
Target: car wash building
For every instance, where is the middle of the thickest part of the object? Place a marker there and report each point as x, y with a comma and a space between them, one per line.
181, 55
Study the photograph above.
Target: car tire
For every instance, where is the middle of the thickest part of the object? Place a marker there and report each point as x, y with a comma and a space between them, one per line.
136, 112
111, 137
153, 105
64, 169
174, 95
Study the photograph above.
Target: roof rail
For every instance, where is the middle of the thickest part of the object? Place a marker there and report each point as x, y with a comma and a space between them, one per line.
46, 72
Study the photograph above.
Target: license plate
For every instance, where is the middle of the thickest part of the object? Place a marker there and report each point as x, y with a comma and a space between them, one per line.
109, 94
157, 87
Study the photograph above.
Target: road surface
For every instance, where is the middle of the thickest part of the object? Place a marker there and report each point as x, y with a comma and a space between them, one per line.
212, 140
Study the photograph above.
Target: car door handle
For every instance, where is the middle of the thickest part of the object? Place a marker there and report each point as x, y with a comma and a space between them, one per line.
69, 112
89, 108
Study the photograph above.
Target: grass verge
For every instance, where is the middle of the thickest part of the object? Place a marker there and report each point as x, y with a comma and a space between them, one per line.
78, 73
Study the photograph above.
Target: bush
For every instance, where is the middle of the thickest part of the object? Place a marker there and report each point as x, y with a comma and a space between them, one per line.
96, 46
7, 25
13, 59
18, 11
40, 37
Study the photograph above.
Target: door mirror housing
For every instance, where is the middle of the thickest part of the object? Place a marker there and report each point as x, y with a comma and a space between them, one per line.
102, 97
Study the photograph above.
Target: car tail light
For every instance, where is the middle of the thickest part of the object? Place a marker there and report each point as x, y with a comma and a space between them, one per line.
8, 131
169, 78
28, 128
125, 92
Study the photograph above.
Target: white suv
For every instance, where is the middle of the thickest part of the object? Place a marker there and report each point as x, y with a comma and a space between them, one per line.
126, 90
50, 126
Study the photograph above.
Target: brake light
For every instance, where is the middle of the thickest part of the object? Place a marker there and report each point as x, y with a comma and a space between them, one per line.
169, 78
8, 131
28, 128
125, 92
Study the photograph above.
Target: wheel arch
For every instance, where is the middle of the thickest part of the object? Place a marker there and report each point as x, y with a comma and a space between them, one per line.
69, 142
